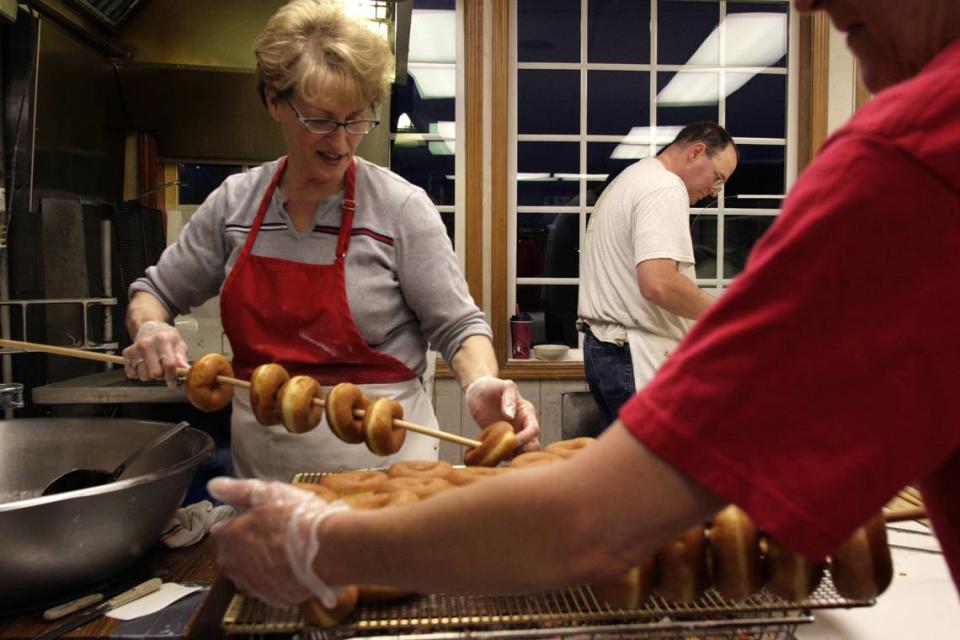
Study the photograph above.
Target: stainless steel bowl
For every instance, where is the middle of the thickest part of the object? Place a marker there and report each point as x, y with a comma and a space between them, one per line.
61, 543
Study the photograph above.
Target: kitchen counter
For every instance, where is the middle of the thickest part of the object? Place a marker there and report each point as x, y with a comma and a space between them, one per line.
922, 601
107, 387
197, 618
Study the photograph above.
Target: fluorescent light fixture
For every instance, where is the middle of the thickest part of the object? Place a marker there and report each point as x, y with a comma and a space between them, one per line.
404, 123
630, 152
576, 177
408, 140
447, 146
433, 36
534, 177
434, 81
752, 40
759, 196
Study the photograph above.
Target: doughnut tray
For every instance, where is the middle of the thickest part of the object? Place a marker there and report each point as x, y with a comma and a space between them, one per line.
573, 612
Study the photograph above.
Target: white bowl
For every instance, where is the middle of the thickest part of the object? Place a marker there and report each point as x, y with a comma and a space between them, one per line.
550, 351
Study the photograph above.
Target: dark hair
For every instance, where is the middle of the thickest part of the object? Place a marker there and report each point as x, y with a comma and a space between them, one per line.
712, 135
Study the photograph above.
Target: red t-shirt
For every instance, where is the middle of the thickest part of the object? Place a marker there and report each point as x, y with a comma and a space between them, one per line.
826, 378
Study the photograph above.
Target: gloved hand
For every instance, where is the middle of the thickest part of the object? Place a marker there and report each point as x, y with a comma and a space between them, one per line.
491, 399
268, 551
156, 353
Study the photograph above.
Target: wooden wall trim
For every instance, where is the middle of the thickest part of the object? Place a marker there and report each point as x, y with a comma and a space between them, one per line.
814, 85
473, 146
499, 153
526, 370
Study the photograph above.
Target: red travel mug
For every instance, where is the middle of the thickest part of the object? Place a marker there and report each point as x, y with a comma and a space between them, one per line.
521, 332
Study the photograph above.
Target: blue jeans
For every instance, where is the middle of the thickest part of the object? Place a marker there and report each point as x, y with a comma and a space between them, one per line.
609, 373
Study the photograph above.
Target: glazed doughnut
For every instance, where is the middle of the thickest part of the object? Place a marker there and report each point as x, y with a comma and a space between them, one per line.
374, 594
423, 487
630, 590
682, 567
467, 475
322, 492
567, 448
381, 500
734, 552
348, 483
297, 409
317, 614
420, 469
862, 568
789, 574
382, 437
497, 441
534, 459
203, 389
341, 402
265, 383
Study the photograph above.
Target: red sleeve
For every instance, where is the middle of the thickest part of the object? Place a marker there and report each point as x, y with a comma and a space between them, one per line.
819, 385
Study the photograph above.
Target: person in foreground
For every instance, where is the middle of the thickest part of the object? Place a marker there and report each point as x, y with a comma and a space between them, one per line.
815, 389
330, 265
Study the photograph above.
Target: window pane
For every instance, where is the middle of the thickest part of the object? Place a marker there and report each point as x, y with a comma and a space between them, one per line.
756, 105
548, 30
554, 311
740, 234
618, 31
197, 181
548, 245
537, 166
548, 101
761, 170
687, 96
756, 34
684, 28
421, 110
427, 165
704, 231
617, 101
450, 222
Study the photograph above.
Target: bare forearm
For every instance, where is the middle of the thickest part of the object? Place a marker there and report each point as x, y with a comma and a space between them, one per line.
144, 307
475, 358
684, 298
567, 523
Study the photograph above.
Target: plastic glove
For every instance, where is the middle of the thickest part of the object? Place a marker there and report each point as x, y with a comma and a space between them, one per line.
268, 551
156, 353
491, 399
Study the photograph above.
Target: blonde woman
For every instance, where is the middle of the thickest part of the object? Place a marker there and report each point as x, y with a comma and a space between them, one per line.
324, 262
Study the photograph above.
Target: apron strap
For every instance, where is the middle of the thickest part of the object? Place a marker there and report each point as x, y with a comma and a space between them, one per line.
349, 208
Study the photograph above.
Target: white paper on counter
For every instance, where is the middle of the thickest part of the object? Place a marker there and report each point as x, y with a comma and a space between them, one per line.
169, 593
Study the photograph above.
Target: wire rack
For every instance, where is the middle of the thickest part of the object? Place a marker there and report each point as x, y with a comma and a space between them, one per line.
570, 612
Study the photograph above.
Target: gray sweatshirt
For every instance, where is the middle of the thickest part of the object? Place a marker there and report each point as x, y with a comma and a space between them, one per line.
404, 285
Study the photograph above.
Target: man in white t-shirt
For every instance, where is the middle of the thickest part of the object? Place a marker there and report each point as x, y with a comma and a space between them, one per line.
638, 292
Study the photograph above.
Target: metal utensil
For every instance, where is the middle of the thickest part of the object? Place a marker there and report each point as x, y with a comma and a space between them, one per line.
86, 478
84, 617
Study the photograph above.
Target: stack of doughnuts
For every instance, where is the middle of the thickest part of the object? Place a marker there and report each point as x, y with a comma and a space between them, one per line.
730, 554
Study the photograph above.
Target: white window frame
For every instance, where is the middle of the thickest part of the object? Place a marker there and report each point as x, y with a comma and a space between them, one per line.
713, 285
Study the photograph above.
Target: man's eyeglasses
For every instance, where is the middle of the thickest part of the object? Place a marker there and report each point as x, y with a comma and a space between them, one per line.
326, 126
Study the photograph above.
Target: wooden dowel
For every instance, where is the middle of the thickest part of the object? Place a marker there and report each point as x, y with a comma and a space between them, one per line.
915, 513
103, 357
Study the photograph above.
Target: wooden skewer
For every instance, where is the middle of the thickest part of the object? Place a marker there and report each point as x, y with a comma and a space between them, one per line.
104, 357
914, 513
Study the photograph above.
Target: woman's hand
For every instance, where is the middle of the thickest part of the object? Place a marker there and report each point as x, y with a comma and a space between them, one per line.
157, 352
491, 399
268, 551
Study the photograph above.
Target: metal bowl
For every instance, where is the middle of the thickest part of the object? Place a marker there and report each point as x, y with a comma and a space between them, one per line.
60, 543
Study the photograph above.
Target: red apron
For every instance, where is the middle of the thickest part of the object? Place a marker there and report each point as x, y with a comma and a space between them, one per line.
296, 314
